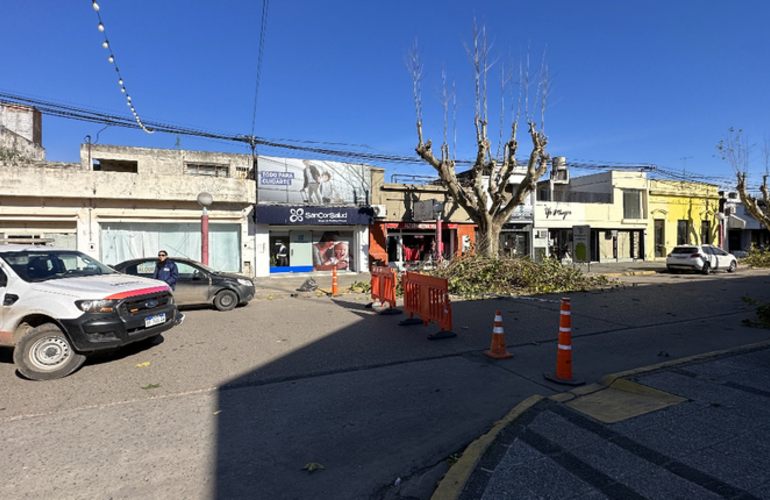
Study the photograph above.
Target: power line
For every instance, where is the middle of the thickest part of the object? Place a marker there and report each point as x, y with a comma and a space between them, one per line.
262, 29
329, 150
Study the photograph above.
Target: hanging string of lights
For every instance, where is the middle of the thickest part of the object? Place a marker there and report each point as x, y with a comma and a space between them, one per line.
111, 59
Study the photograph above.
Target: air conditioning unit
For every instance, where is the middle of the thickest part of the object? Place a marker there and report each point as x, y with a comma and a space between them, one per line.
380, 211
732, 196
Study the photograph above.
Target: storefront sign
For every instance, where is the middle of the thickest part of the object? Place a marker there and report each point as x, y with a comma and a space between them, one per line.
417, 225
556, 213
314, 216
521, 213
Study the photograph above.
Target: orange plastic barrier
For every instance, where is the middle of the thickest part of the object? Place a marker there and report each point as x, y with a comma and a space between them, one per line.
428, 297
384, 286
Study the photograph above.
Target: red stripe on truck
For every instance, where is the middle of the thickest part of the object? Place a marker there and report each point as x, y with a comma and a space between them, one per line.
6, 338
141, 291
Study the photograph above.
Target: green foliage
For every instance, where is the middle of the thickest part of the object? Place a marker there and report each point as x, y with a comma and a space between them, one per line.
757, 257
762, 318
472, 274
361, 287
453, 458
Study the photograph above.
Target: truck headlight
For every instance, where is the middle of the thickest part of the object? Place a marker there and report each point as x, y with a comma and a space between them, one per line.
245, 282
96, 306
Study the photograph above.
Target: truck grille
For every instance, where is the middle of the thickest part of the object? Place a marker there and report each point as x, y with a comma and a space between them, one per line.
144, 304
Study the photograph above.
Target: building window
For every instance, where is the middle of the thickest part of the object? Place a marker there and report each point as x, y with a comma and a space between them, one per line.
681, 232
131, 167
632, 204
207, 170
705, 230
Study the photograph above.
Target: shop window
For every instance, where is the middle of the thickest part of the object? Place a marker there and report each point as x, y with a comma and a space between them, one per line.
681, 232
632, 204
207, 170
131, 167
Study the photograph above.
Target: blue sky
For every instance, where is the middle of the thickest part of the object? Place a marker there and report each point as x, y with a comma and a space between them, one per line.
635, 81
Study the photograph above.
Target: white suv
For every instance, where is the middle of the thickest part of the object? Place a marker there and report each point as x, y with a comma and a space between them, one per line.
57, 305
700, 258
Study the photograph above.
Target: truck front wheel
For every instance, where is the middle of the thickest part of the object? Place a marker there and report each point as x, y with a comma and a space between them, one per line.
44, 353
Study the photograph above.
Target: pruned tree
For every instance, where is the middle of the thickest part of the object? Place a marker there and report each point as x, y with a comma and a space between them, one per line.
483, 194
734, 148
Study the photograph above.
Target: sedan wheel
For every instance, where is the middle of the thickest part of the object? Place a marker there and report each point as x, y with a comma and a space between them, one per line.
733, 266
225, 300
706, 268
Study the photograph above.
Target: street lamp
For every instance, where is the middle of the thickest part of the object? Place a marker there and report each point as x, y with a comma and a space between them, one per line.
205, 200
438, 211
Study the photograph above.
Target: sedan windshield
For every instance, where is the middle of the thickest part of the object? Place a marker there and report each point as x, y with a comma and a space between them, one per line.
34, 266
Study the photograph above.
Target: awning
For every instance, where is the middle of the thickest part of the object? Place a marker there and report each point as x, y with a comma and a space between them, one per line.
735, 222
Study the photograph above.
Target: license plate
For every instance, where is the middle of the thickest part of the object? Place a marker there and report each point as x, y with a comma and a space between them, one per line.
154, 320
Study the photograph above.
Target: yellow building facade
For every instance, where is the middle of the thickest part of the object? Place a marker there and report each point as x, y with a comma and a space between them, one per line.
681, 213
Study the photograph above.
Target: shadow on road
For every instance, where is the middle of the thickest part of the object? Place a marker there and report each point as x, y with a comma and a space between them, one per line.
373, 402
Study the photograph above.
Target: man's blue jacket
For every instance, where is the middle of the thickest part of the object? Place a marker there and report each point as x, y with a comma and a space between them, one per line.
168, 273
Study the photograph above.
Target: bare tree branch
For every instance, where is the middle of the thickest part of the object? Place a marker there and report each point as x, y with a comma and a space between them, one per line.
483, 193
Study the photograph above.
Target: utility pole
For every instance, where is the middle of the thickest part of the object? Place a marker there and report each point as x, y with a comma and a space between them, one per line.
684, 164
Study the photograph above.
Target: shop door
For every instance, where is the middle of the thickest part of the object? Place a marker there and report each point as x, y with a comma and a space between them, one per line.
301, 248
660, 238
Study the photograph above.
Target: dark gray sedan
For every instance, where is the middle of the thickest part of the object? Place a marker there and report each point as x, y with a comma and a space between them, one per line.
198, 284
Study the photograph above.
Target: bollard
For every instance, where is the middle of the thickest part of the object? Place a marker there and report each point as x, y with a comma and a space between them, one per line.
563, 373
334, 280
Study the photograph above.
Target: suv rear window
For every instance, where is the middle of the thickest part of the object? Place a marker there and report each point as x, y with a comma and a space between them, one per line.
685, 250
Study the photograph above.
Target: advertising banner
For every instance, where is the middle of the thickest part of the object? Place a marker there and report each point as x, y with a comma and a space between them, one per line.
311, 182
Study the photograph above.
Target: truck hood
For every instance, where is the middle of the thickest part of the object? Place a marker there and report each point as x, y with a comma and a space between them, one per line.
104, 286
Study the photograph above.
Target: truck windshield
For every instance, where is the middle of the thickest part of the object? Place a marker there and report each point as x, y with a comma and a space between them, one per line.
34, 266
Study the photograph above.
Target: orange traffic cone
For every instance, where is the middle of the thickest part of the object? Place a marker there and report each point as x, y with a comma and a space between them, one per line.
563, 373
334, 280
498, 350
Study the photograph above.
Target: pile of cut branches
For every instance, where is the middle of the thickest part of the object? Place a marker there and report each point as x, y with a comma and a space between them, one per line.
472, 274
757, 257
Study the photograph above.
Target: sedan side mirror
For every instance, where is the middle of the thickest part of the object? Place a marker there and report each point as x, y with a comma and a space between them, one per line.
197, 275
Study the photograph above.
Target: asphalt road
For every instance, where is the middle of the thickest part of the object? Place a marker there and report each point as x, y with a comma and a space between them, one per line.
245, 399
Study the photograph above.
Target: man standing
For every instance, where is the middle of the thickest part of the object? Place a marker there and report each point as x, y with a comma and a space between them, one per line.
282, 255
166, 270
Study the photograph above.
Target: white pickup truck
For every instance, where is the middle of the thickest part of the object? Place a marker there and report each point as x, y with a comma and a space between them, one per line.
57, 305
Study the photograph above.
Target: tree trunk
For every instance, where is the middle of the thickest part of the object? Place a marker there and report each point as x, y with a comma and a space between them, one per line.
488, 243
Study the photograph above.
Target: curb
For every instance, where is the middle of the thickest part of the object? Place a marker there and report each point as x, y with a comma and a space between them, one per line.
454, 481
456, 478
608, 380
630, 273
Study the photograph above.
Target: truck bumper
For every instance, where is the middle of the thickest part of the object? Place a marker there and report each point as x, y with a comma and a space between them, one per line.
92, 332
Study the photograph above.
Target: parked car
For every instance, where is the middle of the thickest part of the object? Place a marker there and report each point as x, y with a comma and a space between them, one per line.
198, 284
700, 258
59, 305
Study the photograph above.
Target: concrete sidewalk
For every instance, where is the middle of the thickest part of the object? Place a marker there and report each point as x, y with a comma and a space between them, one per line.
692, 428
